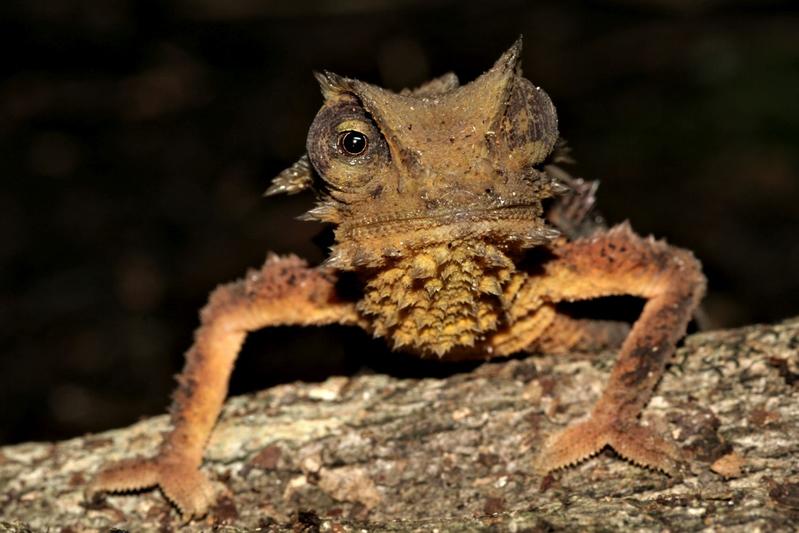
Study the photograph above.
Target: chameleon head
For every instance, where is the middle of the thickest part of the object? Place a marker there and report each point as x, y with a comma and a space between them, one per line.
438, 164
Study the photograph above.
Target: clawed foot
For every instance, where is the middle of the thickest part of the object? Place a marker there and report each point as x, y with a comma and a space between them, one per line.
630, 440
182, 483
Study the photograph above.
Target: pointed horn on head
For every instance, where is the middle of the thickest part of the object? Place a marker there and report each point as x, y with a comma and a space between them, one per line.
331, 84
511, 59
504, 70
522, 111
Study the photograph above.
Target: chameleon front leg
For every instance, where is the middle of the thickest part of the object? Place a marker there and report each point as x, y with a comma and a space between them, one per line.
620, 262
283, 292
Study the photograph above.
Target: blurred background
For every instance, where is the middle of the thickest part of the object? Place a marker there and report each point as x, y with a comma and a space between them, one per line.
136, 139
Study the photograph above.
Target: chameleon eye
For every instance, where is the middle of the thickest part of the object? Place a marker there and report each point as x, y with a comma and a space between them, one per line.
352, 143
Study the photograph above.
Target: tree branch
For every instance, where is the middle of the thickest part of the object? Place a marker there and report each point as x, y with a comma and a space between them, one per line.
456, 454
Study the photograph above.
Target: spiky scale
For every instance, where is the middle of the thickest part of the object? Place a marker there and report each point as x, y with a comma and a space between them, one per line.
424, 266
446, 310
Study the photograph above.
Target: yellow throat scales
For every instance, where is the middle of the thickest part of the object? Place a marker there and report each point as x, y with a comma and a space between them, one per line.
440, 297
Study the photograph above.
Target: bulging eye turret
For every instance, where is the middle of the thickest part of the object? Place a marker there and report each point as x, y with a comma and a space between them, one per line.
345, 145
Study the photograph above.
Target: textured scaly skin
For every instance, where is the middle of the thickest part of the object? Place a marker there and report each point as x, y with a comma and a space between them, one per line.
437, 217
440, 298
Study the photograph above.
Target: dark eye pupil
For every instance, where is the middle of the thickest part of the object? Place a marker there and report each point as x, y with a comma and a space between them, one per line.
353, 142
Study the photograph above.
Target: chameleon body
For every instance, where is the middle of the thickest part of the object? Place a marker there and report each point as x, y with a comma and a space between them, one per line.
437, 199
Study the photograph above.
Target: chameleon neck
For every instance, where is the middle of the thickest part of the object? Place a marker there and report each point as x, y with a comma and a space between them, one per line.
439, 298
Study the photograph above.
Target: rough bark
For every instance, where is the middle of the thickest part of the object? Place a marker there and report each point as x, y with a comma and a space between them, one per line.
381, 453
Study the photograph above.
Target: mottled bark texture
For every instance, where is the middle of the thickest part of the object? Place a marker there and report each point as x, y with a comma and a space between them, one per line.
456, 454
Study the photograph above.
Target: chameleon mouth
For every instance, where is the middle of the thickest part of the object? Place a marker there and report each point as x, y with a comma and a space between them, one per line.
384, 224
372, 240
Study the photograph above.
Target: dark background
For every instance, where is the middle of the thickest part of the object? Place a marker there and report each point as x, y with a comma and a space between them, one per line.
136, 139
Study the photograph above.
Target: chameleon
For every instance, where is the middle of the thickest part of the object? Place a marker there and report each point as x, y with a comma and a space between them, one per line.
463, 241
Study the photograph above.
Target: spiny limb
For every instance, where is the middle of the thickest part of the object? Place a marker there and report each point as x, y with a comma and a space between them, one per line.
619, 262
283, 292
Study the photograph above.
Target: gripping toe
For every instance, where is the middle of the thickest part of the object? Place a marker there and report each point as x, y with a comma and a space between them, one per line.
124, 476
188, 488
632, 441
644, 447
570, 446
182, 483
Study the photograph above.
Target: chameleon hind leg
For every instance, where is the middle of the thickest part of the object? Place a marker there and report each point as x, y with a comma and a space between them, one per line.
619, 262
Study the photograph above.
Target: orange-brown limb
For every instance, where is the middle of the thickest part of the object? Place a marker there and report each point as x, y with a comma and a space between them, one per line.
283, 292
619, 262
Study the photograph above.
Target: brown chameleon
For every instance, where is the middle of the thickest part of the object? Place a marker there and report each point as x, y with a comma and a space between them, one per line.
436, 198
